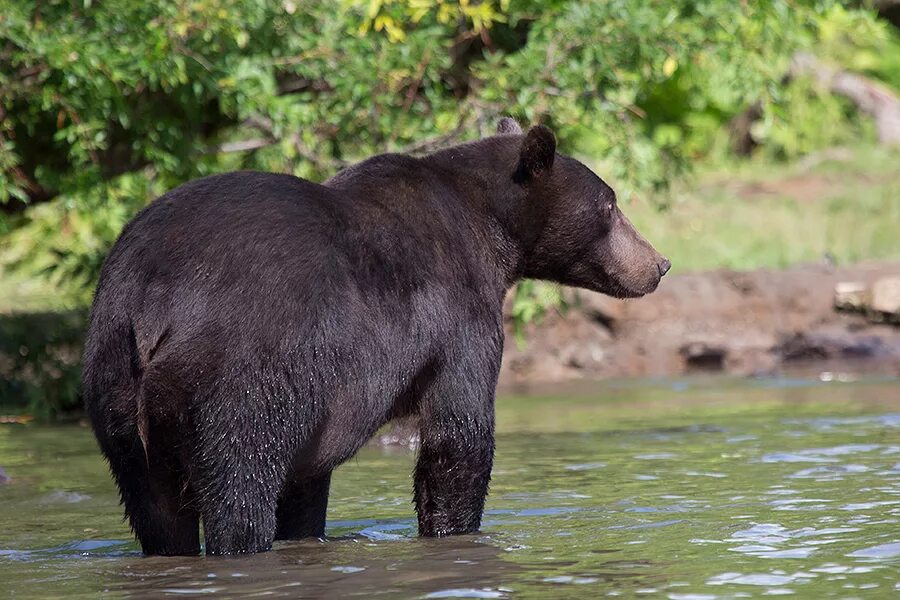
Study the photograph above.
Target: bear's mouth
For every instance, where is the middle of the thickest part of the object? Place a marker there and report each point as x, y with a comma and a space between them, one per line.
618, 289
600, 278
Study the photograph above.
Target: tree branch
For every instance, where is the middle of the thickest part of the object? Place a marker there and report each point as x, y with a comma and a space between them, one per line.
245, 145
869, 96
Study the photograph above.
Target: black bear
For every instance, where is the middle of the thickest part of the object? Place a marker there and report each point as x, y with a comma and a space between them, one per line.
251, 331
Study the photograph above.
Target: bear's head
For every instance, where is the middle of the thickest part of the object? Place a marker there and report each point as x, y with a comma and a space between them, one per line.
575, 233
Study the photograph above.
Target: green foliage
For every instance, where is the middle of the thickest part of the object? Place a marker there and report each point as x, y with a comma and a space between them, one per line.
619, 79
40, 362
793, 116
108, 103
859, 42
531, 300
73, 243
792, 125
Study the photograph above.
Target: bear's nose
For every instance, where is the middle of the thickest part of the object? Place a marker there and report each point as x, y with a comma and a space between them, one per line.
664, 265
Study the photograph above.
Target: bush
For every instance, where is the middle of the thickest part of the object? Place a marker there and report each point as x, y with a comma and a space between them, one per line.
40, 363
105, 104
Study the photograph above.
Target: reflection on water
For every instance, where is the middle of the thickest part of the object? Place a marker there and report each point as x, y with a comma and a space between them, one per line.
688, 491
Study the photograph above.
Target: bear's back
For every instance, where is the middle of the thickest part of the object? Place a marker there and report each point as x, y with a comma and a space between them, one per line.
247, 250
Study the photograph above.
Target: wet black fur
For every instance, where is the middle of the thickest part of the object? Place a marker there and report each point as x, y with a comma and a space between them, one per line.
251, 331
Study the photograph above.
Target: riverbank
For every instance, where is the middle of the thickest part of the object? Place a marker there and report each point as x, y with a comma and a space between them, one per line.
740, 323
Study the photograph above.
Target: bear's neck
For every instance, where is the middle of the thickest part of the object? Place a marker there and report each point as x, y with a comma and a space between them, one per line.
482, 176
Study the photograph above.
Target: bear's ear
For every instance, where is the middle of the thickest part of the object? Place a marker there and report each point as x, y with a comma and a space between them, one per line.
538, 151
508, 125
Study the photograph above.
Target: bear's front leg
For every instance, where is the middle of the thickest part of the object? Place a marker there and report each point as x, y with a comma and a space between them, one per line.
456, 451
451, 483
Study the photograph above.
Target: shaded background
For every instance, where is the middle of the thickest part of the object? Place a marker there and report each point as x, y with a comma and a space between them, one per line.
737, 134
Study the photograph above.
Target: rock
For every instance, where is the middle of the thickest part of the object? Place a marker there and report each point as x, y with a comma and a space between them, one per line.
851, 295
64, 497
703, 356
602, 309
583, 355
885, 298
826, 345
879, 302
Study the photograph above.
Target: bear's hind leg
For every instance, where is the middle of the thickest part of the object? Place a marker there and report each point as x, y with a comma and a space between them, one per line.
239, 497
242, 454
302, 506
157, 500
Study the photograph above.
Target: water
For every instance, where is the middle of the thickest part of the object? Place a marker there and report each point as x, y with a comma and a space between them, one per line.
686, 490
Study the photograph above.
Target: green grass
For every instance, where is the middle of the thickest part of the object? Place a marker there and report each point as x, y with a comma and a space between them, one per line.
842, 203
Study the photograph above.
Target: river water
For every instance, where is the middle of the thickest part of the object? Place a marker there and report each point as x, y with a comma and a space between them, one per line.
689, 489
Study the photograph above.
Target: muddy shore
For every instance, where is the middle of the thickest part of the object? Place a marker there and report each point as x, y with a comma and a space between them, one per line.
762, 323
738, 323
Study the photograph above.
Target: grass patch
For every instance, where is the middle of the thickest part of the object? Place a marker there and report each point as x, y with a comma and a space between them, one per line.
842, 204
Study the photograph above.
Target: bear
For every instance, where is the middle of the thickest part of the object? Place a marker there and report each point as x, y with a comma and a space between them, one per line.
251, 331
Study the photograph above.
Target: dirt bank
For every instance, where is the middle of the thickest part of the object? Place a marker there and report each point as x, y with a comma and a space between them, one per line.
735, 322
